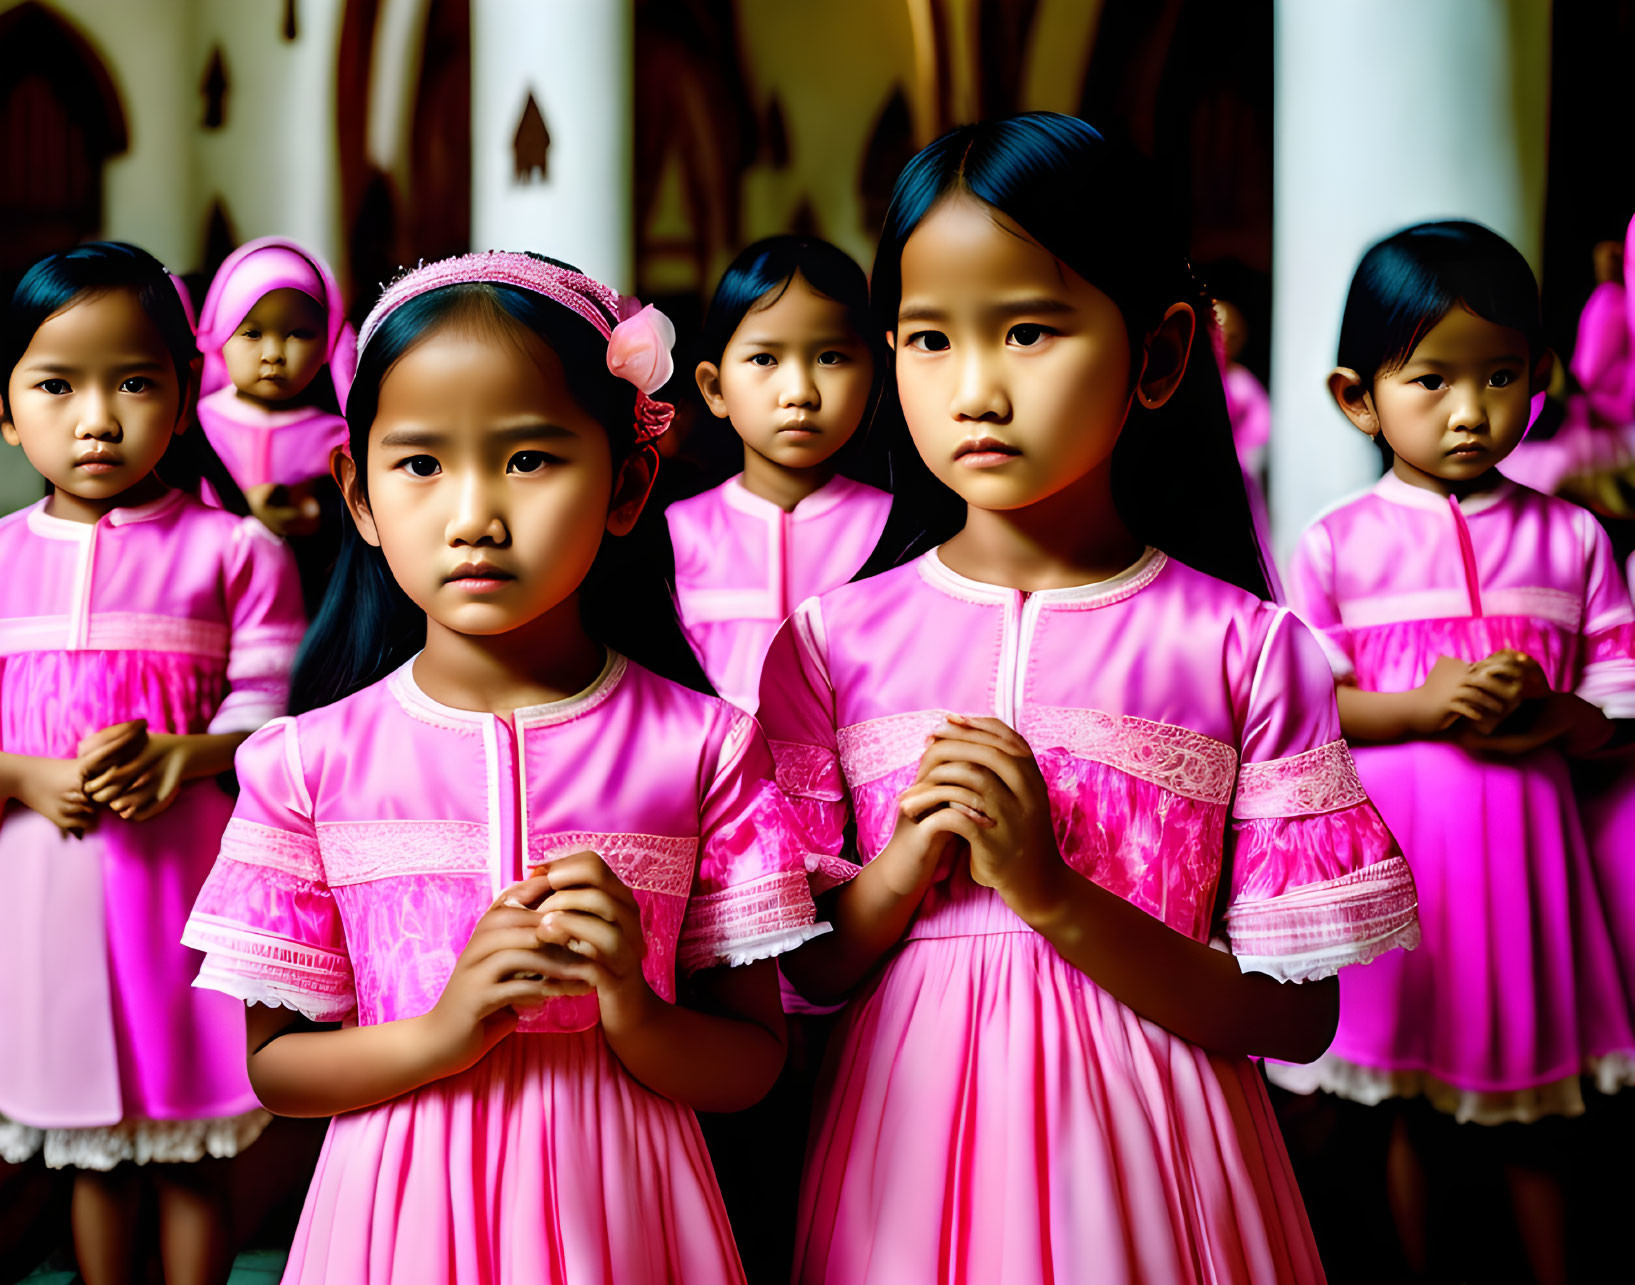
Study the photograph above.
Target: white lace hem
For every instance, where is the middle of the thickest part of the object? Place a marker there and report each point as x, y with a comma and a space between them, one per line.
1374, 1085
749, 950
133, 1141
317, 1008
1314, 965
1612, 1072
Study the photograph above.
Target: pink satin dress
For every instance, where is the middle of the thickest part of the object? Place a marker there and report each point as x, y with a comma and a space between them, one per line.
1516, 989
270, 447
369, 838
742, 564
188, 617
988, 1112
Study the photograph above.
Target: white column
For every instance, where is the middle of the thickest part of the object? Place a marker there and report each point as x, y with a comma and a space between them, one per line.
577, 58
1388, 112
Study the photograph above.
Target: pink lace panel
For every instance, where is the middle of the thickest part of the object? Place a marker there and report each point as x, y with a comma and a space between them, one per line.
1177, 759
809, 771
748, 921
1156, 849
254, 844
1320, 780
870, 750
361, 851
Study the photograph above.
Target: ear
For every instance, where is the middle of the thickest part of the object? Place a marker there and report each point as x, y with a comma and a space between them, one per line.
8, 430
631, 490
190, 394
344, 469
708, 376
891, 340
1166, 353
1353, 397
1543, 368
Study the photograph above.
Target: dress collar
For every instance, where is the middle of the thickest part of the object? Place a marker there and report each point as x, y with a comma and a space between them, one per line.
1393, 488
1100, 593
820, 501
43, 523
409, 694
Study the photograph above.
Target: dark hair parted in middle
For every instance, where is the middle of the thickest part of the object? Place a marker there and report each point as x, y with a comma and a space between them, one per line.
367, 626
1098, 208
1408, 282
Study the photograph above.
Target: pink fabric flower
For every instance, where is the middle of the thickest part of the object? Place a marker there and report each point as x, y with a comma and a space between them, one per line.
638, 350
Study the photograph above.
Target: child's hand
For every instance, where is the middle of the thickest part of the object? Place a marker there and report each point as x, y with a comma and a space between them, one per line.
284, 510
501, 971
55, 788
909, 861
1510, 677
593, 917
1454, 690
135, 776
1005, 813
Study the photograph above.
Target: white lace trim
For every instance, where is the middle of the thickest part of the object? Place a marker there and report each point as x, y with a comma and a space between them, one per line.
1373, 1085
1309, 784
1314, 965
1613, 1072
749, 950
140, 1142
271, 994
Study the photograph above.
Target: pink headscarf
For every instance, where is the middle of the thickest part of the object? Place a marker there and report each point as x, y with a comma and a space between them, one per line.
638, 341
256, 269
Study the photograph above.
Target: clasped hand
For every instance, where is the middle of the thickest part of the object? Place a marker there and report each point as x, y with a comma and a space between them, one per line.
980, 783
1478, 704
571, 928
123, 769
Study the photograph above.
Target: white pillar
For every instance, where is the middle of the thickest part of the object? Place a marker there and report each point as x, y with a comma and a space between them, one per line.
1388, 112
577, 58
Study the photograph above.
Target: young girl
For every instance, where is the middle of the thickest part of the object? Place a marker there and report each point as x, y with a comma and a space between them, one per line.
143, 635
1038, 729
514, 1075
1479, 631
790, 363
278, 361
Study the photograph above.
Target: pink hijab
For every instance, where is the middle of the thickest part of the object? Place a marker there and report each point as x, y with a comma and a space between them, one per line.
256, 269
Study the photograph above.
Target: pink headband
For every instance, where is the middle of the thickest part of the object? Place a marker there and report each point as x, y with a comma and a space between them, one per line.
638, 346
255, 270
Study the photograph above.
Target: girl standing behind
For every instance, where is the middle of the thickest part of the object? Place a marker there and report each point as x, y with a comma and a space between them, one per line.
791, 364
1479, 631
143, 635
278, 361
1039, 729
490, 839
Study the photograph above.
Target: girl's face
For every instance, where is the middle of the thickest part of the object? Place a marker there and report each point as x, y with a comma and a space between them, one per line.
489, 487
95, 400
1013, 370
278, 349
1457, 406
794, 379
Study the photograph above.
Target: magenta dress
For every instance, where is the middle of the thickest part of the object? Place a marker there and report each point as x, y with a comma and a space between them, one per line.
188, 617
370, 837
988, 1112
742, 564
1516, 988
270, 447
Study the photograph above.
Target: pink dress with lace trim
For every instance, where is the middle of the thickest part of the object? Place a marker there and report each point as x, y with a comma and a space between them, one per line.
989, 1113
1516, 989
261, 447
188, 617
370, 836
742, 564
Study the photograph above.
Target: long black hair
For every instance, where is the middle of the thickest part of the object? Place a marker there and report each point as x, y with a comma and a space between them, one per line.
1406, 284
1096, 207
758, 278
94, 268
367, 626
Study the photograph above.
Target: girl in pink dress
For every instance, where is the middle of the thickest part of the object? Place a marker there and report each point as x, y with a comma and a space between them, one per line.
790, 363
513, 864
1479, 631
1078, 748
143, 635
278, 359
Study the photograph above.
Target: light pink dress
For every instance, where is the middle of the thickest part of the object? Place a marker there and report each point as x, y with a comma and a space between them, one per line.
370, 836
1516, 988
1250, 410
261, 447
742, 564
188, 617
988, 1112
